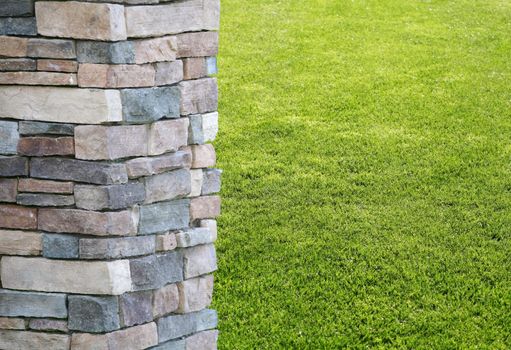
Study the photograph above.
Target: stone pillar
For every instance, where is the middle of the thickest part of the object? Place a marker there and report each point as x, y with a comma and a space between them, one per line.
107, 181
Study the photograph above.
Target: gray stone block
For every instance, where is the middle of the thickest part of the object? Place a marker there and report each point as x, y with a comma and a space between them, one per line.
93, 314
165, 216
17, 64
114, 248
179, 344
13, 166
18, 26
16, 8
9, 137
45, 199
150, 104
60, 246
176, 326
77, 170
195, 131
153, 271
122, 52
136, 308
37, 128
109, 197
211, 181
31, 304
211, 66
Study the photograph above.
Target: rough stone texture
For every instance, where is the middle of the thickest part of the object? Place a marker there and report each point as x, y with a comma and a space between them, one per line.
165, 300
45, 186
48, 325
155, 50
25, 304
194, 67
9, 137
155, 271
58, 104
211, 65
179, 344
10, 339
80, 20
18, 26
199, 260
13, 47
115, 248
122, 52
165, 216
149, 104
198, 96
110, 277
203, 156
110, 142
51, 48
207, 207
8, 190
195, 294
175, 326
115, 76
136, 308
93, 314
168, 73
167, 186
166, 242
37, 128
44, 200
212, 181
212, 226
196, 178
167, 136
39, 146
206, 340
20, 243
13, 166
203, 128
37, 78
16, 8
155, 165
17, 64
57, 66
197, 44
172, 18
118, 223
77, 170
194, 236
12, 323
63, 246
18, 217
109, 197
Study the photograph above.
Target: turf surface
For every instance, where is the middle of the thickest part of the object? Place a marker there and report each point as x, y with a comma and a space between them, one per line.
366, 148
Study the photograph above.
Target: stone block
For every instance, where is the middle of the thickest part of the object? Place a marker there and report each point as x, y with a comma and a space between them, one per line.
13, 166
18, 217
18, 26
109, 197
93, 314
155, 50
117, 223
45, 199
60, 104
166, 186
199, 260
115, 76
51, 48
38, 128
155, 165
194, 67
168, 73
178, 344
115, 248
195, 294
122, 52
17, 64
110, 277
149, 104
25, 304
110, 142
194, 236
165, 216
165, 300
37, 78
71, 19
196, 178
16, 8
20, 242
166, 242
211, 65
206, 340
203, 156
207, 207
39, 146
77, 170
199, 44
211, 225
203, 128
12, 323
63, 246
136, 308
172, 18
176, 326
212, 181
13, 47
45, 186
198, 96
48, 325
167, 136
10, 339
57, 66
9, 137
155, 271
8, 190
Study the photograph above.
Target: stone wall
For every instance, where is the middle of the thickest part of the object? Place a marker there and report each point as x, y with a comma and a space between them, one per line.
107, 181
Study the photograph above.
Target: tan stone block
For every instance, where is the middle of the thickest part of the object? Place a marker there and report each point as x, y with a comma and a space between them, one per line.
168, 73
166, 242
46, 146
57, 66
203, 156
110, 142
168, 136
37, 78
206, 340
18, 217
194, 67
133, 338
199, 44
155, 50
155, 165
165, 300
166, 186
87, 341
195, 294
45, 186
71, 19
59, 104
172, 18
206, 207
8, 190
119, 223
196, 178
10, 339
83, 277
115, 76
13, 47
199, 260
20, 243
12, 323
198, 96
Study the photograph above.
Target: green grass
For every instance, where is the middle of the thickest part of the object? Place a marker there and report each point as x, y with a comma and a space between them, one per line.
366, 148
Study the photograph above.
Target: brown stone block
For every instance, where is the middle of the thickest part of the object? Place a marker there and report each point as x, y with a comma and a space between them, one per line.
57, 66
194, 67
197, 44
15, 216
115, 76
37, 78
8, 190
13, 47
46, 146
203, 156
207, 207
45, 186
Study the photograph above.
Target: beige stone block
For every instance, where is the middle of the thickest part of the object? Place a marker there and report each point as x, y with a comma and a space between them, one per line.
166, 242
155, 165
195, 294
10, 339
37, 78
210, 126
20, 243
206, 207
168, 73
57, 66
166, 186
212, 226
199, 44
83, 277
133, 338
165, 300
206, 340
168, 136
196, 177
13, 47
155, 50
203, 156
199, 260
198, 96
12, 323
71, 19
59, 104
115, 76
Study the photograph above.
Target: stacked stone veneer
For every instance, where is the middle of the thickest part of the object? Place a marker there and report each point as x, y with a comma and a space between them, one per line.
107, 179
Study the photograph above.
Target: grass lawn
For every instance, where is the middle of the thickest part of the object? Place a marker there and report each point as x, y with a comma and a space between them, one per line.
366, 148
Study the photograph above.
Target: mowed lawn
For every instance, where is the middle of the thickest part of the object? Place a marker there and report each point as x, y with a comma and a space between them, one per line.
366, 149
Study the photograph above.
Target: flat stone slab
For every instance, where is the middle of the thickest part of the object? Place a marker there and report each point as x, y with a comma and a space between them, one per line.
30, 304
